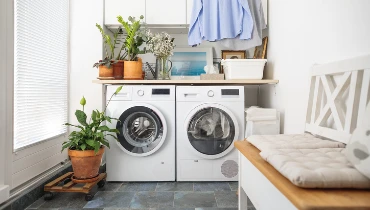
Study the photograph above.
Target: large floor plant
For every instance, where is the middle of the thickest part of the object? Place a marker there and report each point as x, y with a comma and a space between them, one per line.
86, 145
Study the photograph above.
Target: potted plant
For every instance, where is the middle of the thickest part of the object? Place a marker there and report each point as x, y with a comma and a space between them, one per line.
86, 145
134, 39
111, 65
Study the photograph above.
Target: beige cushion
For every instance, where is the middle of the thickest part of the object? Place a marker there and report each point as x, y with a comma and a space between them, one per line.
358, 149
316, 168
294, 141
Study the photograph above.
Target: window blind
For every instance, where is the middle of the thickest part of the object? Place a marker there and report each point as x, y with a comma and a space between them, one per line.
40, 70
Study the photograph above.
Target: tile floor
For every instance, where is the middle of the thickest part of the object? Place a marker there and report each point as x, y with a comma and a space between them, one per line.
153, 196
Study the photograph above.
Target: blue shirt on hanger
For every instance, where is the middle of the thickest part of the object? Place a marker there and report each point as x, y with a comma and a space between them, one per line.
214, 20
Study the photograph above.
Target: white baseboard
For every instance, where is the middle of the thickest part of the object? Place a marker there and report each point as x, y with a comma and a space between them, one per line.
4, 193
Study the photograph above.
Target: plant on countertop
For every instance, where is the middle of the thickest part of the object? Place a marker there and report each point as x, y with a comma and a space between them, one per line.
112, 44
91, 134
135, 36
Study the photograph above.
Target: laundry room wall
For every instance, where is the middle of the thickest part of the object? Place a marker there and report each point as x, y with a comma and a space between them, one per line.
302, 33
85, 50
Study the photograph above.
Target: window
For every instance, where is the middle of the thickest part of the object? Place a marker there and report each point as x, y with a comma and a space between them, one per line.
40, 70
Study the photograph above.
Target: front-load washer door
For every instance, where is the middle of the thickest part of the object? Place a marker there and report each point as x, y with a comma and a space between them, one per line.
142, 130
211, 130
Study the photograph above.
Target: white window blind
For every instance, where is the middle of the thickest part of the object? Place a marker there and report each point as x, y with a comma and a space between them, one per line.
41, 69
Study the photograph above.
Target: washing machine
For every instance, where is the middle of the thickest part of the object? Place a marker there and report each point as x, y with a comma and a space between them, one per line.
145, 150
209, 120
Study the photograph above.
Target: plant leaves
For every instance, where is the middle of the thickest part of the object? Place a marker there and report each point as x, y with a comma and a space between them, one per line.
104, 142
104, 128
93, 115
83, 146
97, 147
114, 130
115, 137
81, 117
90, 142
118, 90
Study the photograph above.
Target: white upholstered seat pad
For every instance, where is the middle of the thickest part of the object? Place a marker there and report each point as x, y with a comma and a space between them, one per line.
316, 168
293, 141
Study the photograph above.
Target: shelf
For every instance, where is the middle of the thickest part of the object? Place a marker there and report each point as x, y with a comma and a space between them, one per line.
189, 82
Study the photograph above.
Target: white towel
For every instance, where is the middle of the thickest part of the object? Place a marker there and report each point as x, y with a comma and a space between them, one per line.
260, 114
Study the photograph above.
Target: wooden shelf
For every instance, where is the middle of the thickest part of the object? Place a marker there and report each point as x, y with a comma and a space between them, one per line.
189, 82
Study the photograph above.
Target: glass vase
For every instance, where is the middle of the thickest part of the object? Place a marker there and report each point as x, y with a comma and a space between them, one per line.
163, 68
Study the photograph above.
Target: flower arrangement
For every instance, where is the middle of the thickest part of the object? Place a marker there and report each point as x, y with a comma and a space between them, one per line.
160, 44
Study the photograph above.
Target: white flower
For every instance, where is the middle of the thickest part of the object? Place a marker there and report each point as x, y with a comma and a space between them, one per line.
160, 44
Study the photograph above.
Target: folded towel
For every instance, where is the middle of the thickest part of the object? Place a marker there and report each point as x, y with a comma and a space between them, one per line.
260, 114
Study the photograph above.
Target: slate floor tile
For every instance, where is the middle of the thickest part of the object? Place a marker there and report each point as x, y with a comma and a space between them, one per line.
174, 186
226, 199
79, 209
144, 200
65, 200
195, 199
138, 186
111, 186
175, 209
211, 186
234, 186
216, 208
36, 204
110, 199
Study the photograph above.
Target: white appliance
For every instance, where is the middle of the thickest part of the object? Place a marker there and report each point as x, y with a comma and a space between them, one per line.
209, 120
145, 150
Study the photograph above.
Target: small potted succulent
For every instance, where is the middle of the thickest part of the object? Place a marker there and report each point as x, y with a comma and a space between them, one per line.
111, 65
86, 145
134, 39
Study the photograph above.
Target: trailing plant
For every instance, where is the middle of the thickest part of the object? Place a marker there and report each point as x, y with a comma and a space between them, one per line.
110, 44
91, 135
135, 36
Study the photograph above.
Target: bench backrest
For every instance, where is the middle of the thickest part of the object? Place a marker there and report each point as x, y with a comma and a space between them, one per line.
338, 97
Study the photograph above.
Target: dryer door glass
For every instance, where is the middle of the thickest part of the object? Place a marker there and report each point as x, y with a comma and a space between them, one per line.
141, 130
211, 131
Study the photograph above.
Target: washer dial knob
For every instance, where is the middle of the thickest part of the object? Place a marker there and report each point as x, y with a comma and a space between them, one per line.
210, 93
140, 92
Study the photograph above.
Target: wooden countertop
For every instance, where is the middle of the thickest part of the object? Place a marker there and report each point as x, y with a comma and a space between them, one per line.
305, 198
190, 82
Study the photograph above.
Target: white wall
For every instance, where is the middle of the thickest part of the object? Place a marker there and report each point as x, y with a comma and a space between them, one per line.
302, 33
86, 49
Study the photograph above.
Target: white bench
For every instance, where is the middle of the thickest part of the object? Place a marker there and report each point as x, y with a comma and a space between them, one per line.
330, 116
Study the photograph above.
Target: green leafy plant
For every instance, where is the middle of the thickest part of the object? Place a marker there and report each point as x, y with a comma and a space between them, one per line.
92, 134
110, 44
135, 36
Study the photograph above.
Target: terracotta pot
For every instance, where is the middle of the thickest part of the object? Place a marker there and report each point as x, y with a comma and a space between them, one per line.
86, 163
133, 70
118, 69
105, 71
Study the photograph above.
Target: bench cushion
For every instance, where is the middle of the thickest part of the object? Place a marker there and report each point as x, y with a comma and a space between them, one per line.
358, 149
293, 141
316, 168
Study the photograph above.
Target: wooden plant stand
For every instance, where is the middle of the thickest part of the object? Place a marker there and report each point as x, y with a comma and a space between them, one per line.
68, 186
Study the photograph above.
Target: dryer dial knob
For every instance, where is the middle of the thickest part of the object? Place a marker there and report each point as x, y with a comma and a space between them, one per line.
210, 93
140, 92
